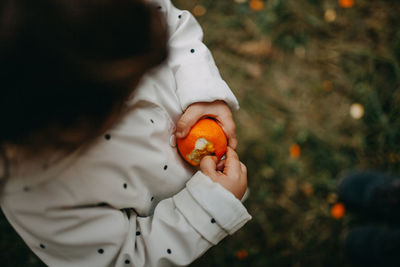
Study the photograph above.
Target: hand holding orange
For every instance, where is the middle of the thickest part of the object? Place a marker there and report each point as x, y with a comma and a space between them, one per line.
206, 137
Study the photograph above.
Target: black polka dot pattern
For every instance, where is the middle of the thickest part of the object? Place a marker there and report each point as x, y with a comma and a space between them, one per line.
192, 50
165, 167
125, 185
137, 233
107, 136
152, 198
127, 261
169, 251
212, 220
42, 246
151, 120
180, 16
100, 251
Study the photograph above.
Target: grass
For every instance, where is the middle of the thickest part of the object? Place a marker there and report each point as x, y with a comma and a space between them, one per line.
297, 72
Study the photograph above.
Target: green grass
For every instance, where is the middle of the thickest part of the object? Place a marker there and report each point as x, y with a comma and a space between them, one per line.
296, 76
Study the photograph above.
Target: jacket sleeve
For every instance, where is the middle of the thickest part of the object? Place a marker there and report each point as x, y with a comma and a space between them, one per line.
197, 77
181, 229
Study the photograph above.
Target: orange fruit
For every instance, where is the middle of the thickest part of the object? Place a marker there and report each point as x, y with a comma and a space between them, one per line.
205, 138
256, 5
242, 254
295, 151
338, 210
346, 3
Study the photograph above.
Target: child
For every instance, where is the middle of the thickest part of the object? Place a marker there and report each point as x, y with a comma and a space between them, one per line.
93, 177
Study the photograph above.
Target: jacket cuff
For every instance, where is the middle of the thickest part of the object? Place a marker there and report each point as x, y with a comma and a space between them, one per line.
198, 218
211, 209
202, 83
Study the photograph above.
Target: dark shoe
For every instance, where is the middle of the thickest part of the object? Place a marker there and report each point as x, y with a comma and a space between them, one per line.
373, 193
373, 246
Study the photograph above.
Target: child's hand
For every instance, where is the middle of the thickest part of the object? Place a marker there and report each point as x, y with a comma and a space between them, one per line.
234, 174
217, 109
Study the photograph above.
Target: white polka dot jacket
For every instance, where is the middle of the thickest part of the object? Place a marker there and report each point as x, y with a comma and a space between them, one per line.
129, 199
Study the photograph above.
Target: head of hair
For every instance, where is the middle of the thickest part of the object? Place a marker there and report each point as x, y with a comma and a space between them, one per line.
67, 66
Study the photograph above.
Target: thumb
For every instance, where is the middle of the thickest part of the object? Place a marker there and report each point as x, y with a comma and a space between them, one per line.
208, 166
187, 120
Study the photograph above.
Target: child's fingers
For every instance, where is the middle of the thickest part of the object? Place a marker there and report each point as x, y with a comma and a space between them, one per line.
231, 154
221, 165
208, 166
223, 115
232, 165
232, 142
244, 173
187, 120
243, 168
218, 110
229, 127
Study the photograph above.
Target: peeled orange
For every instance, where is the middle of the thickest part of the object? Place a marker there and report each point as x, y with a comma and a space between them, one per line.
205, 138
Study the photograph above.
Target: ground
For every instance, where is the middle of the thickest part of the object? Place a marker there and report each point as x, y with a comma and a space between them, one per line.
319, 89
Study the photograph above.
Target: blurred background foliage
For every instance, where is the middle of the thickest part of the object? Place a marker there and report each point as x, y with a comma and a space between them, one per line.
319, 86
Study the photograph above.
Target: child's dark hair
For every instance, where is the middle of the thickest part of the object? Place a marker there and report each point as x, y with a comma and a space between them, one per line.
68, 65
